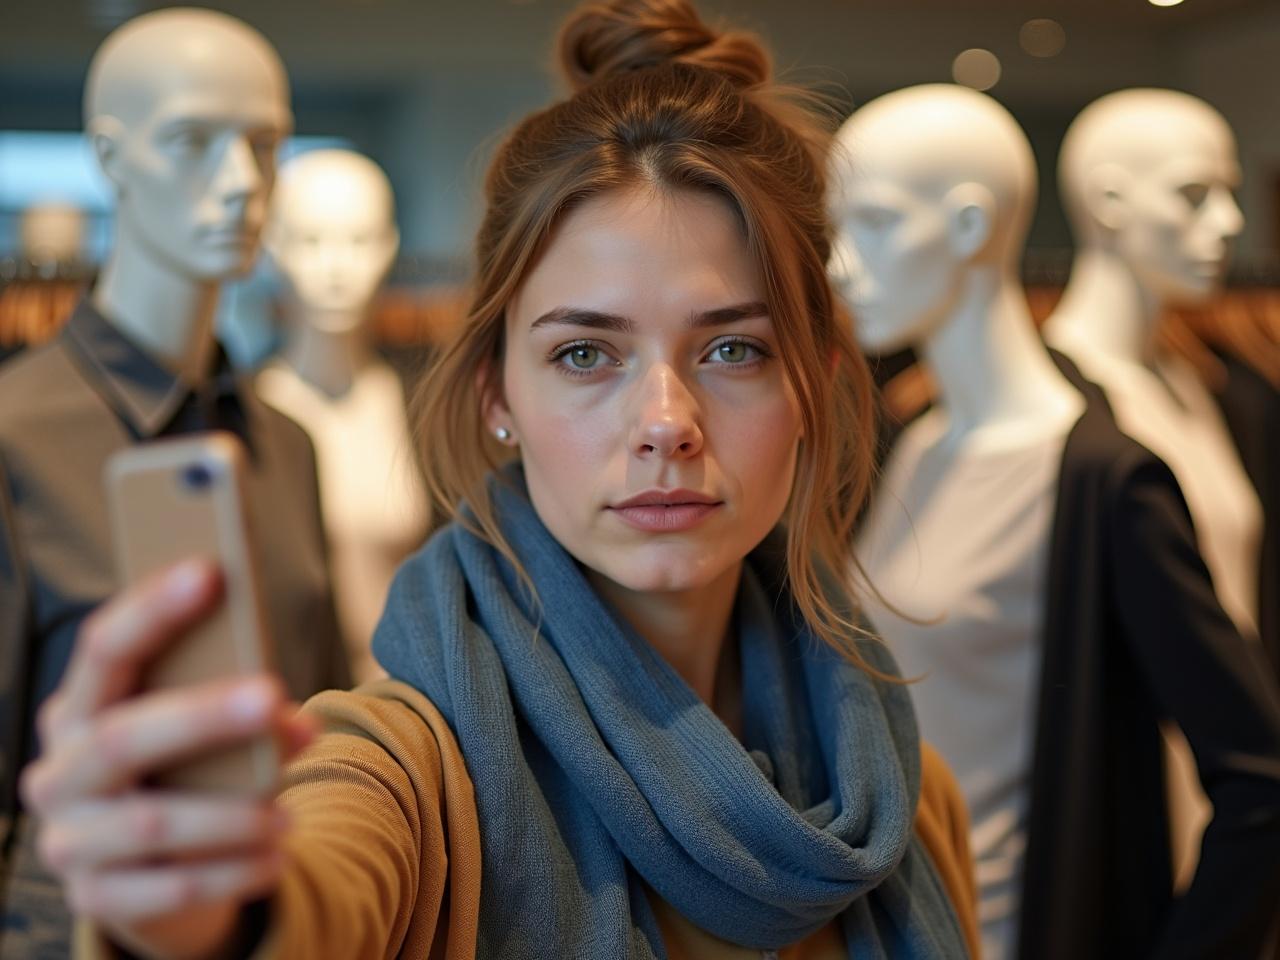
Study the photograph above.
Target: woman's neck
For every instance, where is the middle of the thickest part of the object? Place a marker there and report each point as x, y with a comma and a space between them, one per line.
1106, 310
328, 356
690, 631
992, 371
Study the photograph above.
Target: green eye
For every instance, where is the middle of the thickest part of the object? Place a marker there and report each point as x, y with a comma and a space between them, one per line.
734, 352
584, 358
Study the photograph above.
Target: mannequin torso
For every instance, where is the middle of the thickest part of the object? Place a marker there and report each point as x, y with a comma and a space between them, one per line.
957, 536
332, 236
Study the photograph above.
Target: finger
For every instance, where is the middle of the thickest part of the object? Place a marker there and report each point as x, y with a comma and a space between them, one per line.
142, 826
150, 733
295, 731
128, 894
122, 636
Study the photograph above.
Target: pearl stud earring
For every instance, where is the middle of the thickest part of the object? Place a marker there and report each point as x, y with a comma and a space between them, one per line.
503, 434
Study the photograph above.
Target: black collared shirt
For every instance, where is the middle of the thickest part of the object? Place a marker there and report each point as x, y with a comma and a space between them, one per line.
65, 408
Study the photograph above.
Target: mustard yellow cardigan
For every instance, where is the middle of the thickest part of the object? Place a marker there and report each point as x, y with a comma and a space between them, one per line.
384, 857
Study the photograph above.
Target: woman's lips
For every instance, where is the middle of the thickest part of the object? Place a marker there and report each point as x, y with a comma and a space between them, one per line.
665, 518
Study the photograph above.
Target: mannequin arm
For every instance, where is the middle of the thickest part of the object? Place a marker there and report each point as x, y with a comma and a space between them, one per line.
1216, 686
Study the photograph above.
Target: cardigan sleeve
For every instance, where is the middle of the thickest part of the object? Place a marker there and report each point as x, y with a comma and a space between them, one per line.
1215, 686
384, 854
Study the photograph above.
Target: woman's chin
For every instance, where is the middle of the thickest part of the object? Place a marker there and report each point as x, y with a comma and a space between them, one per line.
667, 570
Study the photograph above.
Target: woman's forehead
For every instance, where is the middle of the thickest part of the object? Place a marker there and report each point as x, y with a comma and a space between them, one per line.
646, 251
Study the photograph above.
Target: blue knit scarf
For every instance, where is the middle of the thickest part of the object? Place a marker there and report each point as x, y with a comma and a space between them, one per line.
597, 770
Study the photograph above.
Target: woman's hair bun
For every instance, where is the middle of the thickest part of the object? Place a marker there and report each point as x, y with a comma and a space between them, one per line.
608, 37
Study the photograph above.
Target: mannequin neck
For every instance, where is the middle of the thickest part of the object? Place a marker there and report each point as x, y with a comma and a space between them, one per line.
328, 354
168, 314
991, 369
1106, 308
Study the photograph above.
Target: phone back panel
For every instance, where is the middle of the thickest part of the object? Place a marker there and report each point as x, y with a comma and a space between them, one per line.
170, 501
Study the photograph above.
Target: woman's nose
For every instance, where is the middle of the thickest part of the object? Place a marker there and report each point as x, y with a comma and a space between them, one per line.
666, 420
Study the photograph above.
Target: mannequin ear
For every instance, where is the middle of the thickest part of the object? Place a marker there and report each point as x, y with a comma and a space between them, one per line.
106, 137
1106, 195
971, 218
391, 246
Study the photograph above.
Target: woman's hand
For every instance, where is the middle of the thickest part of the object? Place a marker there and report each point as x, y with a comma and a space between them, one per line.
163, 874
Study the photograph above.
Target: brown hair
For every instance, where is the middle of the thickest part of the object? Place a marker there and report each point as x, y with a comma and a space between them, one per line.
661, 99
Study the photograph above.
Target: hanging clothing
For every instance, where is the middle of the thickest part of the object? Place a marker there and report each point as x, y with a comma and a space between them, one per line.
1251, 407
1134, 634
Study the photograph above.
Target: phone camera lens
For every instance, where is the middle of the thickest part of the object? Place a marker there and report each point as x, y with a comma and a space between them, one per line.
197, 477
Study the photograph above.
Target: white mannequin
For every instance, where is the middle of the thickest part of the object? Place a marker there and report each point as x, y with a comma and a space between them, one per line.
934, 189
1147, 178
184, 109
332, 234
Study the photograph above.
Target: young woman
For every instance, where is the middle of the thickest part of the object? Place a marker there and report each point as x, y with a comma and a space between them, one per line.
630, 713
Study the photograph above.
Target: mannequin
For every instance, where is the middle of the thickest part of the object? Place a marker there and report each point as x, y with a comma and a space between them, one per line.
331, 233
192, 195
184, 110
928, 258
974, 541
1147, 179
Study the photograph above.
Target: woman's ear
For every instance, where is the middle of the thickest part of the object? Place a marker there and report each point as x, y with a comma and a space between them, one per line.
971, 218
493, 405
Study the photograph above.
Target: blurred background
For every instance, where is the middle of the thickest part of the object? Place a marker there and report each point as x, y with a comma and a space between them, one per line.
427, 87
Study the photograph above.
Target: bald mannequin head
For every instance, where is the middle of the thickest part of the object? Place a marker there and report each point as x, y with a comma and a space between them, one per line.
928, 183
332, 232
185, 109
1148, 175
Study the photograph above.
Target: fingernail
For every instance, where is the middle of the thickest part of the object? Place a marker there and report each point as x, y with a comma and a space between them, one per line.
187, 579
249, 702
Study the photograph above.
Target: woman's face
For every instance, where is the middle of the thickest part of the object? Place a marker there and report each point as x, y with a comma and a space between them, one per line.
642, 384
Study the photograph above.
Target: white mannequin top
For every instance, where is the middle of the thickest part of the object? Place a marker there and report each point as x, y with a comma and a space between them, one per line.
1147, 179
370, 492
934, 188
958, 537
332, 235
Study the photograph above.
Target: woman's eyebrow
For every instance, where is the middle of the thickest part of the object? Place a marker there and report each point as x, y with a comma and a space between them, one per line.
598, 320
584, 318
725, 315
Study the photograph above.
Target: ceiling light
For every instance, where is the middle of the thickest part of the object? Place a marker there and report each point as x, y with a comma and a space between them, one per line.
1165, 3
1042, 37
977, 68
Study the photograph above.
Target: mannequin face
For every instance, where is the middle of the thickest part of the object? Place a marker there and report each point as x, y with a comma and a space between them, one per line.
928, 183
893, 262
186, 112
332, 234
1148, 175
1181, 219
638, 358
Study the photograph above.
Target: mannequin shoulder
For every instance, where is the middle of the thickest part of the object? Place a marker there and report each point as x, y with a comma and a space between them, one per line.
1099, 453
38, 384
285, 428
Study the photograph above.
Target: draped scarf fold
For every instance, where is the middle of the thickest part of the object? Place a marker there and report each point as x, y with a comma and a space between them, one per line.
597, 770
